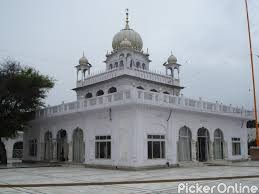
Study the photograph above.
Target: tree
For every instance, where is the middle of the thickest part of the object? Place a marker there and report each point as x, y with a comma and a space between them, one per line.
22, 90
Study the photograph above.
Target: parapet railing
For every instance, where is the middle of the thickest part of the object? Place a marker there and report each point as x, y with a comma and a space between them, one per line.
134, 95
136, 72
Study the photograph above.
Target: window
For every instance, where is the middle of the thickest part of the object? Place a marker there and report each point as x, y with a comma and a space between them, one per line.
153, 90
138, 64
103, 147
110, 66
112, 90
33, 147
89, 95
121, 63
236, 146
156, 146
100, 93
140, 87
144, 66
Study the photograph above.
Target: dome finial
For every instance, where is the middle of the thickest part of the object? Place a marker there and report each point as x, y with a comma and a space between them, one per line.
127, 19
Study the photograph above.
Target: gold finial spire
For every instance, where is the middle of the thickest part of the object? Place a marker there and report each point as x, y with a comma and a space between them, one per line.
127, 19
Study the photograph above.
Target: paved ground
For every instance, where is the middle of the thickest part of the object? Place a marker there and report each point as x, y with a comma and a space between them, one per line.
76, 175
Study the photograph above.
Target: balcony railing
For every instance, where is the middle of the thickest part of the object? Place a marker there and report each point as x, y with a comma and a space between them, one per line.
136, 96
135, 72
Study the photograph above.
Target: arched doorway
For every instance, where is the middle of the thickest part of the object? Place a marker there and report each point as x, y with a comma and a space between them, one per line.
48, 146
203, 144
62, 145
185, 144
18, 149
218, 145
78, 145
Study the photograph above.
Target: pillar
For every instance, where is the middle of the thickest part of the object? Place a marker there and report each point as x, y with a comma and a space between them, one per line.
70, 151
211, 153
54, 150
194, 150
225, 150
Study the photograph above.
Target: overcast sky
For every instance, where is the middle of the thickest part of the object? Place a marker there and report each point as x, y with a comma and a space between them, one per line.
209, 38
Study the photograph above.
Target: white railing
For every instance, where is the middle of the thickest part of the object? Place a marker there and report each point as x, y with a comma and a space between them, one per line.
137, 96
140, 73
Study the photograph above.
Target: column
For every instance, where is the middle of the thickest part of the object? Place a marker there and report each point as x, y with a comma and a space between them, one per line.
194, 151
225, 150
70, 151
211, 154
54, 150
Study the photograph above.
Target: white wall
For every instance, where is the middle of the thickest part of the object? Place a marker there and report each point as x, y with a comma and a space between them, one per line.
129, 126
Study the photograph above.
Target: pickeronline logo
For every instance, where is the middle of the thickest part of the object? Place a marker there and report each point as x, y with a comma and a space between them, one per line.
219, 188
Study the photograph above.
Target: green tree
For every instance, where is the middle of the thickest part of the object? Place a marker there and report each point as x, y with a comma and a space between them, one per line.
22, 90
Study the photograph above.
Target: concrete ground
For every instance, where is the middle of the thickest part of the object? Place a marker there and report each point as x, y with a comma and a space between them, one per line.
78, 180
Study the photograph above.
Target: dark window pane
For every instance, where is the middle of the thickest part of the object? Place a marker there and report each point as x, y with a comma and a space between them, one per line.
156, 149
109, 137
149, 136
97, 148
149, 149
156, 136
102, 149
108, 149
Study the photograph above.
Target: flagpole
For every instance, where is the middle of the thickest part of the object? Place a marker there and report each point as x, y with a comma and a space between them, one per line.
253, 78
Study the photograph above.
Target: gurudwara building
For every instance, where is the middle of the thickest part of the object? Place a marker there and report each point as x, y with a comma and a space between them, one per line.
129, 116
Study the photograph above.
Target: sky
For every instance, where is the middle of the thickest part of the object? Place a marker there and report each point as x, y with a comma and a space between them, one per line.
208, 37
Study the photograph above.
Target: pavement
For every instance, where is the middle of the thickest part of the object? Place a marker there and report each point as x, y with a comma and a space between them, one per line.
51, 180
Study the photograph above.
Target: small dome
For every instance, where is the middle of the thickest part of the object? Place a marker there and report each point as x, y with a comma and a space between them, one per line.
83, 60
125, 43
172, 59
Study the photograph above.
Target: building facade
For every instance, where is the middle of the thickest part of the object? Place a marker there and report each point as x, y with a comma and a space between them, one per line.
129, 116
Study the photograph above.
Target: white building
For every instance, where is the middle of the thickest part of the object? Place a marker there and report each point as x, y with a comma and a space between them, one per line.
129, 116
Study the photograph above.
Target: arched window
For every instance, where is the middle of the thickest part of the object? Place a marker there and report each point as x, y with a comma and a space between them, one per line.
138, 64
140, 87
100, 93
110, 66
116, 65
185, 144
112, 90
121, 63
153, 90
218, 145
166, 92
131, 63
89, 95
18, 149
78, 145
121, 55
143, 66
